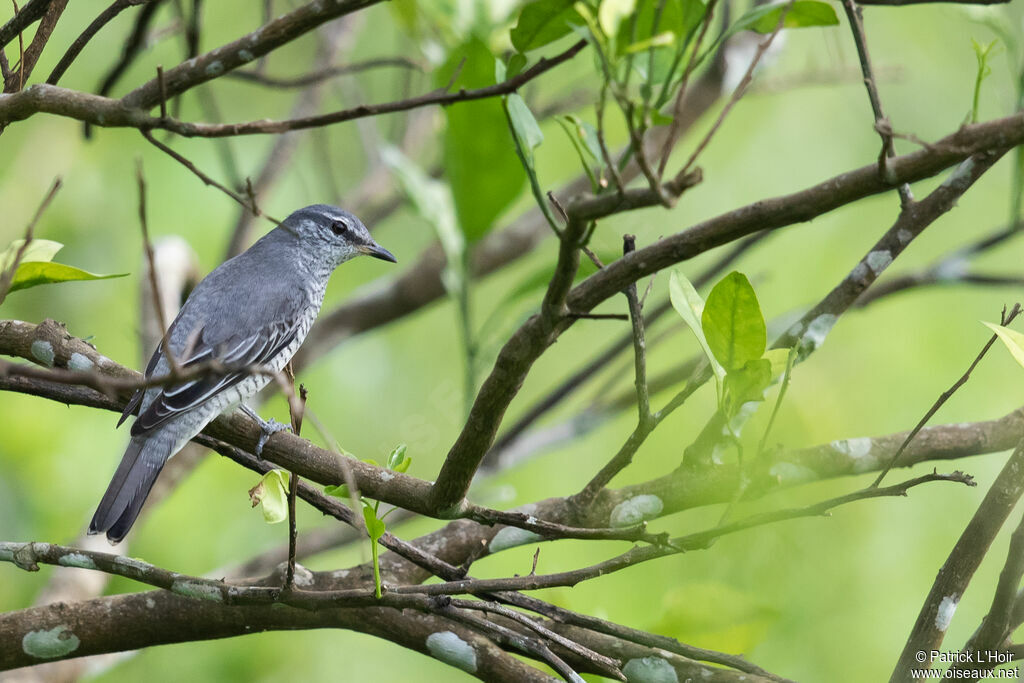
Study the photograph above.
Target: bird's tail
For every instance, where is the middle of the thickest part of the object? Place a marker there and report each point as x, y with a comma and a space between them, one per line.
132, 481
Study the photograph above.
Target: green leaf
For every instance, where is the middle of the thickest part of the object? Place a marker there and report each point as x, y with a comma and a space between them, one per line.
542, 22
476, 138
272, 493
524, 124
611, 13
433, 201
338, 491
689, 305
374, 527
397, 461
802, 14
38, 250
779, 359
747, 384
516, 63
35, 273
733, 323
1013, 340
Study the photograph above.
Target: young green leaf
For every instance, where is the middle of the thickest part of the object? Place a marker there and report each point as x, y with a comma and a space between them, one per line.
338, 491
611, 13
802, 13
747, 384
689, 306
733, 323
35, 273
1013, 340
272, 493
397, 460
524, 124
37, 251
541, 22
374, 527
475, 138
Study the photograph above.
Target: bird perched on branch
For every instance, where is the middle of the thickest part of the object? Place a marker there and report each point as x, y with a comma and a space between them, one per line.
249, 315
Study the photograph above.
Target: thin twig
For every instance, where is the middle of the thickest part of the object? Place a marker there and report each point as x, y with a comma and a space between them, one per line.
855, 16
7, 276
154, 282
1006, 319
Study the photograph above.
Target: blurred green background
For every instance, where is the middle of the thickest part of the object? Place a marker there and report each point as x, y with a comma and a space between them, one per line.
814, 600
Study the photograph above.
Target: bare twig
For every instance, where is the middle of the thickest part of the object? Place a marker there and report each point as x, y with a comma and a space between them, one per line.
7, 276
1006, 319
856, 18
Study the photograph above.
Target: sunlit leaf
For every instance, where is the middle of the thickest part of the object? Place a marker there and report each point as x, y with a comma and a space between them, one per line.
34, 273
747, 384
374, 527
690, 306
803, 13
474, 139
611, 13
272, 494
542, 22
1013, 340
37, 250
733, 323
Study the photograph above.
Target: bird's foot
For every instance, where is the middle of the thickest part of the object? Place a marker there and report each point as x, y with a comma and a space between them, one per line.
267, 429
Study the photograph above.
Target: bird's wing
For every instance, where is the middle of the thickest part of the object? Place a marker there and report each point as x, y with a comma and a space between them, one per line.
236, 351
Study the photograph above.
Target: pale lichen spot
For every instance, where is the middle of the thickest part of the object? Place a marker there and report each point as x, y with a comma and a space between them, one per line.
817, 330
510, 537
859, 452
150, 603
76, 560
904, 236
859, 272
791, 473
453, 650
56, 642
303, 576
215, 68
960, 179
42, 351
879, 260
649, 670
944, 614
246, 55
531, 519
80, 362
636, 510
197, 590
387, 476
140, 567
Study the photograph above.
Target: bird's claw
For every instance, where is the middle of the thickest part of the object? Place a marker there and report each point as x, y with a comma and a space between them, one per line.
267, 429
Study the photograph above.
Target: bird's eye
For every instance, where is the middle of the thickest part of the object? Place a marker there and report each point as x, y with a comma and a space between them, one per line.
339, 228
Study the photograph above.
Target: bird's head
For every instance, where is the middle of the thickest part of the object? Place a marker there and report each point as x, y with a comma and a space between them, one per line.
334, 232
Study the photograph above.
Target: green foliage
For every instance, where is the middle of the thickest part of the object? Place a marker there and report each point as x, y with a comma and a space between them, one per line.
475, 139
982, 54
541, 22
1012, 340
802, 14
690, 307
36, 266
397, 461
527, 137
733, 323
271, 493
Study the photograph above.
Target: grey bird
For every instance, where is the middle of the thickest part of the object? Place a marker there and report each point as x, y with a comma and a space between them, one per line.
253, 310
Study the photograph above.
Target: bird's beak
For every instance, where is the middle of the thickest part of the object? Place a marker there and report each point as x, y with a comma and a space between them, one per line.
377, 251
